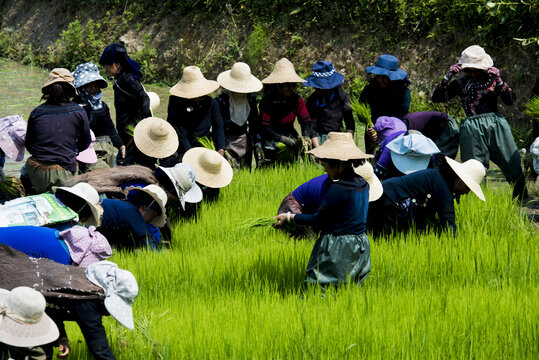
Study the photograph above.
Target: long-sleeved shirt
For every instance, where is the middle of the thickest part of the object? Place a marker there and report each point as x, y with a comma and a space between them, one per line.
310, 194
101, 123
120, 219
56, 133
343, 209
193, 119
278, 113
430, 123
393, 100
131, 103
476, 97
232, 129
329, 111
426, 194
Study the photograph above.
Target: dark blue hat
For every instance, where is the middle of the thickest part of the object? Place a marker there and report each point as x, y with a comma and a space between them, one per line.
324, 76
387, 65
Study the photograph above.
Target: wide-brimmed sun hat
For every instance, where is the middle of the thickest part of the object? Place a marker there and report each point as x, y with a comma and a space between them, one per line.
59, 75
155, 101
239, 79
193, 84
339, 146
412, 152
211, 169
375, 186
23, 322
159, 196
87, 193
179, 177
88, 156
86, 245
471, 172
155, 138
324, 76
283, 72
194, 195
385, 126
387, 65
475, 57
87, 73
13, 136
120, 288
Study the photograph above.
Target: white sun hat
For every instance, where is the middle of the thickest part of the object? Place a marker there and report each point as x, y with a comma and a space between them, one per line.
156, 138
23, 322
211, 169
155, 101
159, 196
283, 72
471, 172
239, 79
193, 84
120, 288
375, 186
87, 193
180, 179
194, 195
475, 57
412, 152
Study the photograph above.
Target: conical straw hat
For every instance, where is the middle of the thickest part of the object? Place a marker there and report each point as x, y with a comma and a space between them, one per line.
193, 84
155, 138
283, 72
339, 146
471, 172
239, 79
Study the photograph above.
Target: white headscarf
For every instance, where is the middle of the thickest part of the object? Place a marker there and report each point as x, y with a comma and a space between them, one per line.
239, 108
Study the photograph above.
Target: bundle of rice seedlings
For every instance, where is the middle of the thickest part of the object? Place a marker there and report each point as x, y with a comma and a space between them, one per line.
532, 107
11, 188
362, 112
205, 142
294, 230
286, 153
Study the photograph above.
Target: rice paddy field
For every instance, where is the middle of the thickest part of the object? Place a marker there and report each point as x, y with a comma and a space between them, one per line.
223, 291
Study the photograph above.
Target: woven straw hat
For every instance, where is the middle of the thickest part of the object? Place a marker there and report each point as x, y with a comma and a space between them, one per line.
239, 79
23, 321
87, 193
471, 172
212, 169
375, 186
59, 75
120, 288
155, 138
339, 146
193, 84
475, 57
160, 197
283, 72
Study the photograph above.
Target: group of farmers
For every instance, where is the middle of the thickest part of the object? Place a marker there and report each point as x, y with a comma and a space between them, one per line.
169, 166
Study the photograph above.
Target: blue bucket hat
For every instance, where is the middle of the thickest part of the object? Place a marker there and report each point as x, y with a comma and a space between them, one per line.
387, 65
87, 73
324, 76
412, 152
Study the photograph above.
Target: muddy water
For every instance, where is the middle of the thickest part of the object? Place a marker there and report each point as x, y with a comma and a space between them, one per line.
20, 93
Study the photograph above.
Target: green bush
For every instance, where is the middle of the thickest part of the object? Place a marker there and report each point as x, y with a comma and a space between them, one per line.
257, 43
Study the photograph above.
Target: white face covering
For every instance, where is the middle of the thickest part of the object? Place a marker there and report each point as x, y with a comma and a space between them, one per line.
239, 108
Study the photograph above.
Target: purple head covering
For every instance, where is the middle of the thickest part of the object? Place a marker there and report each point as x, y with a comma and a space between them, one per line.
386, 126
86, 245
12, 136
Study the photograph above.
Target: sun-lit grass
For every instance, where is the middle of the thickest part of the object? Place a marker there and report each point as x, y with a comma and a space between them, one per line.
223, 291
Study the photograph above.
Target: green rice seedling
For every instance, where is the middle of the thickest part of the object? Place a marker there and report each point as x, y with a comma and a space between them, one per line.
205, 142
362, 112
532, 107
286, 153
294, 230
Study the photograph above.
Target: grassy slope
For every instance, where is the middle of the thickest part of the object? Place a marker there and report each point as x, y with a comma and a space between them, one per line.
225, 293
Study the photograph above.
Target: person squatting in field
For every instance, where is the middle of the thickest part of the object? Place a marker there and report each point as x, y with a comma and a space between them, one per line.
485, 134
342, 252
